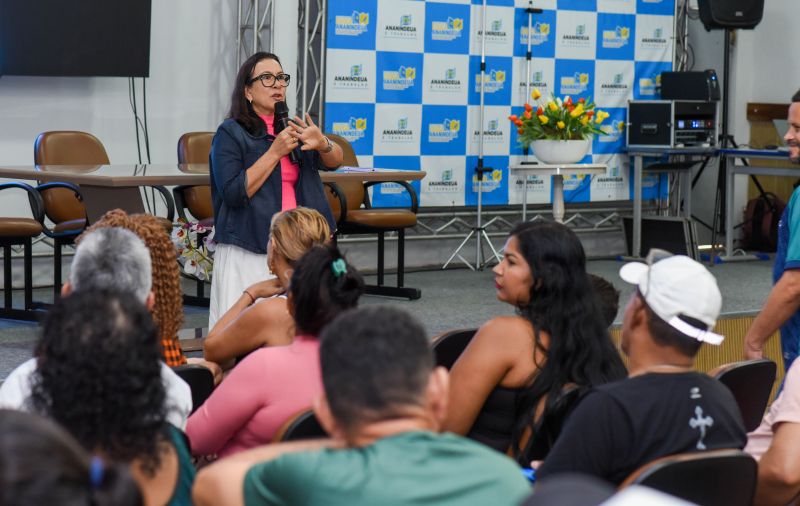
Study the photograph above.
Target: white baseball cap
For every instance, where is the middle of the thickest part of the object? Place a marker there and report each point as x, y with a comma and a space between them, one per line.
678, 286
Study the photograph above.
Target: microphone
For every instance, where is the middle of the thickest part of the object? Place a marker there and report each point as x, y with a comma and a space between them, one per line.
281, 123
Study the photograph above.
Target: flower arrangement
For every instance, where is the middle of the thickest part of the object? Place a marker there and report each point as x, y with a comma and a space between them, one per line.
558, 119
195, 246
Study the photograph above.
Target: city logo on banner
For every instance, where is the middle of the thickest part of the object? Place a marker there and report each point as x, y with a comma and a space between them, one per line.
492, 134
617, 86
447, 30
612, 178
648, 86
495, 33
534, 184
493, 81
541, 34
448, 83
402, 30
400, 79
612, 132
446, 184
538, 82
353, 129
488, 183
656, 41
446, 131
399, 134
578, 39
574, 84
354, 80
352, 25
616, 38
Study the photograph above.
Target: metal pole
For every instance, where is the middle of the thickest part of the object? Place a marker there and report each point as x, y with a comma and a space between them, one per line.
322, 56
306, 49
480, 169
239, 34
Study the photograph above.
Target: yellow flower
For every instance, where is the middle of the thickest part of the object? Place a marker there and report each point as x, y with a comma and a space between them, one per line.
553, 107
536, 94
577, 111
543, 119
585, 120
560, 125
601, 116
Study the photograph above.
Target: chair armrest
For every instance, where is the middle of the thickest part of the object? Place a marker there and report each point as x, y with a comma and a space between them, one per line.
34, 198
342, 201
180, 204
167, 200
62, 184
404, 184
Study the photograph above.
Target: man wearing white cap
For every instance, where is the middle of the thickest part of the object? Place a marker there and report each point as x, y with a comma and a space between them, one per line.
664, 407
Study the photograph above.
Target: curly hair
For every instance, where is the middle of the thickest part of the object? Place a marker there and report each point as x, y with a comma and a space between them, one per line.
168, 308
98, 374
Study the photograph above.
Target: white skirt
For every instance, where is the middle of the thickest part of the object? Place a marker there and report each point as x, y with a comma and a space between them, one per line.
235, 269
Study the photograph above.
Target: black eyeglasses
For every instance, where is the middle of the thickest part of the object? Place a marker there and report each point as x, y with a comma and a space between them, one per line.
268, 80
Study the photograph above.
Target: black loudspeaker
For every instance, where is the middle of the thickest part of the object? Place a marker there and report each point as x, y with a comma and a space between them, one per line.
730, 13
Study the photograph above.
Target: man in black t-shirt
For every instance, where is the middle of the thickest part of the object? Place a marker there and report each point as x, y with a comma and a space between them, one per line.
664, 407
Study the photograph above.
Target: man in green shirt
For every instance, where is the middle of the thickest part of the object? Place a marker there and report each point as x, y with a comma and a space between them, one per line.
383, 406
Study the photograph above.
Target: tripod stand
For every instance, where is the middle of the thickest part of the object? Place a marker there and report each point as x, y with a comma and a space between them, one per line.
479, 231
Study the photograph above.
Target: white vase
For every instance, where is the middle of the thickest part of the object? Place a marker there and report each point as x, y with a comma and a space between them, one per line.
556, 152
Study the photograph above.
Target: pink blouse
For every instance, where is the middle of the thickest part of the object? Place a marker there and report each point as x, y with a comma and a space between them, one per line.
289, 172
257, 397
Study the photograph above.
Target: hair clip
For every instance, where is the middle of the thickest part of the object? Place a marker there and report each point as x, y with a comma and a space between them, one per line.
338, 267
96, 472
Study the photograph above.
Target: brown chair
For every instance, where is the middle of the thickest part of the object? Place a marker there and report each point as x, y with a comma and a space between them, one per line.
711, 478
750, 382
195, 147
354, 215
14, 232
449, 345
303, 425
200, 380
63, 202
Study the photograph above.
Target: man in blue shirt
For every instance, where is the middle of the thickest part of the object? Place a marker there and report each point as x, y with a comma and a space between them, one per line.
781, 307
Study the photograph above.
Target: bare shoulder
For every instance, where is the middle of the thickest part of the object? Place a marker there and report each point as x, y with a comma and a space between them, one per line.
270, 309
510, 328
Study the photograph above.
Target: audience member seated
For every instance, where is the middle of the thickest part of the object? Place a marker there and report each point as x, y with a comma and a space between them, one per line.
168, 306
259, 318
107, 259
98, 376
274, 383
515, 366
384, 405
41, 464
608, 296
776, 445
665, 407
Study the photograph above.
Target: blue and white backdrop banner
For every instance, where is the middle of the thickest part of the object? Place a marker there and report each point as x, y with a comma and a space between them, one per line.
403, 78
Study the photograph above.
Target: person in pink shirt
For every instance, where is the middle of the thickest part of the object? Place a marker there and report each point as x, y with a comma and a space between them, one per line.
274, 383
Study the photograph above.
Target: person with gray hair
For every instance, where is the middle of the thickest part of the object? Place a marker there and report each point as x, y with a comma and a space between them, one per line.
110, 258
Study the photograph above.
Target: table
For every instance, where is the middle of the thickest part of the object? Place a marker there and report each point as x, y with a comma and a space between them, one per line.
733, 169
638, 154
106, 187
558, 172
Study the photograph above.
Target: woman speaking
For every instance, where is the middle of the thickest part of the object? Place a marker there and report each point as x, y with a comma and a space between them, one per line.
254, 177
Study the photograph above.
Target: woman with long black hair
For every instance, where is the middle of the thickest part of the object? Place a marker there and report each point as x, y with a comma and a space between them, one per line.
517, 366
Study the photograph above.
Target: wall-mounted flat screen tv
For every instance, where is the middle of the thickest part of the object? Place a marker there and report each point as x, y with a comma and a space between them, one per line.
75, 38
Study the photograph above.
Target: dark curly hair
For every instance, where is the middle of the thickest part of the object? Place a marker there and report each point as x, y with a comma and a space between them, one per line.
40, 463
563, 304
319, 294
99, 375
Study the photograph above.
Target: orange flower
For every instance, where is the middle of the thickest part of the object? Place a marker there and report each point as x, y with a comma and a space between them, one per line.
520, 131
513, 118
528, 107
539, 111
527, 114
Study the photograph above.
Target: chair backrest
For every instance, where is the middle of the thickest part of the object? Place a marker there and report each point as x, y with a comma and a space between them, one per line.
751, 383
354, 191
349, 158
66, 147
447, 346
194, 147
303, 425
712, 478
200, 380
548, 427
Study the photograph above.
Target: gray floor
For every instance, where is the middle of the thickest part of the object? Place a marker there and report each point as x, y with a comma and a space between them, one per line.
450, 299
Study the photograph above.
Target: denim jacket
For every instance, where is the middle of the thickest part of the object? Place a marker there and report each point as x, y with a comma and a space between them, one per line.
244, 221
